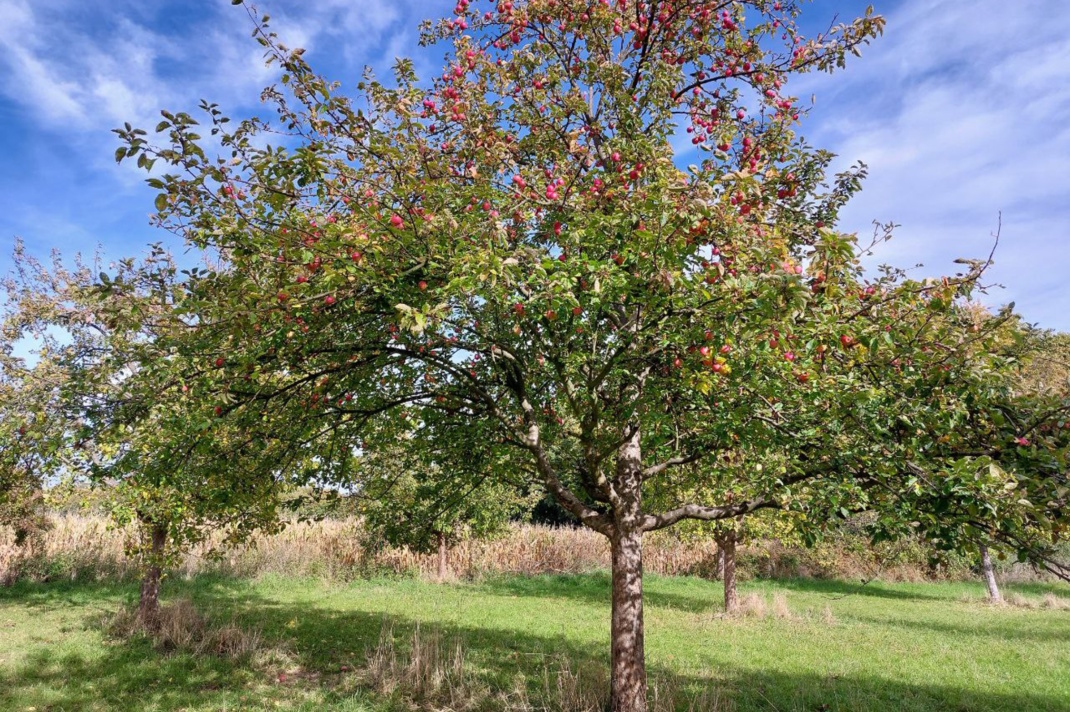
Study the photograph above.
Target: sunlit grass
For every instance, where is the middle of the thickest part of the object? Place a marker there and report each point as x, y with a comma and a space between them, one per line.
819, 646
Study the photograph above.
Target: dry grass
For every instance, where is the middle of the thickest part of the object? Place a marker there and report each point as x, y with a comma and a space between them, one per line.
79, 548
431, 674
756, 605
182, 628
73, 548
88, 548
778, 607
1048, 601
585, 689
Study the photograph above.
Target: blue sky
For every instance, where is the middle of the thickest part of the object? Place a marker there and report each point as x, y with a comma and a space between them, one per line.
962, 111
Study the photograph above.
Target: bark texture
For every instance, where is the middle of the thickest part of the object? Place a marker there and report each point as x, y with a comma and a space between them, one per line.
990, 576
148, 609
727, 544
628, 661
628, 688
443, 568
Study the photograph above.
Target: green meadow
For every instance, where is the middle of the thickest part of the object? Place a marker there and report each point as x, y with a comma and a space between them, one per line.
801, 645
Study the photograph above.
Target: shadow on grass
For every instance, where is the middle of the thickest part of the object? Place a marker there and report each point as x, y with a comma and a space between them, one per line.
130, 674
1059, 590
993, 631
60, 593
840, 589
877, 589
594, 588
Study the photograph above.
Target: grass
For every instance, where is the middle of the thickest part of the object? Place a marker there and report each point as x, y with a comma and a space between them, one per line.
836, 646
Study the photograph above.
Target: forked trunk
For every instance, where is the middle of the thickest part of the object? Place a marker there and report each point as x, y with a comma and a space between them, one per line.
442, 567
727, 545
148, 609
628, 681
990, 576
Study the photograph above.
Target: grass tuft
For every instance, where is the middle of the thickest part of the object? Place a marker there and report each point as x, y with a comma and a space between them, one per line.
182, 628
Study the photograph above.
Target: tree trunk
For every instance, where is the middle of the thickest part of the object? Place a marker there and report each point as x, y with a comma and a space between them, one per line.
442, 567
720, 562
627, 692
990, 576
628, 686
148, 609
727, 545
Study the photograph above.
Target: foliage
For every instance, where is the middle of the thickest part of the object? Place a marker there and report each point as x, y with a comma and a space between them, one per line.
1046, 365
26, 452
422, 502
514, 249
119, 411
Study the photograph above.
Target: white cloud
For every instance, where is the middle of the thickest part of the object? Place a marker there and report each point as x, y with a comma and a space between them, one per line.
960, 113
960, 110
82, 76
29, 78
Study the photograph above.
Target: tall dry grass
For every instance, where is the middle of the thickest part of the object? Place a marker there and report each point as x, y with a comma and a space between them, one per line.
81, 547
431, 673
87, 547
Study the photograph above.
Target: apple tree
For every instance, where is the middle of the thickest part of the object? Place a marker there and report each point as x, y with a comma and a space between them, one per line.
107, 403
29, 449
521, 243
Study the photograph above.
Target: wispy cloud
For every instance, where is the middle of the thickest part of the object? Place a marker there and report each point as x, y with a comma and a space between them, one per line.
959, 111
71, 72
